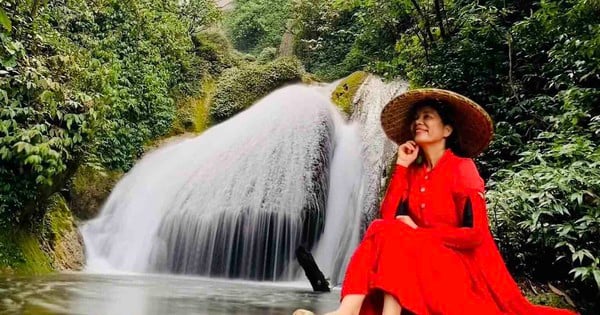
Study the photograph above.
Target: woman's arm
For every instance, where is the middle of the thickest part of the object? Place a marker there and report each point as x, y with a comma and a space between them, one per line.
468, 189
466, 238
397, 190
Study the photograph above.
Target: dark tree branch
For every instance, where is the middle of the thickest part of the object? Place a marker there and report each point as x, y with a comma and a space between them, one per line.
425, 20
440, 19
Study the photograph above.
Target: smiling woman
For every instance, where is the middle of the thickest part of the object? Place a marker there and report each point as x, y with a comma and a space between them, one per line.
432, 122
432, 251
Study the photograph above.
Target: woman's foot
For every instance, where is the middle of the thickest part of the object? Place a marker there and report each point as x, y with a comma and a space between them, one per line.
302, 312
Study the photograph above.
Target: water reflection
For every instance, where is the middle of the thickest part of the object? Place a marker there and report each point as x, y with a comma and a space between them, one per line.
79, 293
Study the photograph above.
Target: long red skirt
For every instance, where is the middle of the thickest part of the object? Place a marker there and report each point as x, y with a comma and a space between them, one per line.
425, 276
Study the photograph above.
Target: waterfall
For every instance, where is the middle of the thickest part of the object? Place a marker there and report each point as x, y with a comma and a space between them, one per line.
377, 150
236, 201
357, 175
233, 202
344, 204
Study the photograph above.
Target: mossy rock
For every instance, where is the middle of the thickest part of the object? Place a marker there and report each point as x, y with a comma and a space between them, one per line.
343, 95
58, 219
310, 78
21, 253
64, 243
213, 47
239, 88
202, 105
53, 244
192, 112
89, 188
184, 116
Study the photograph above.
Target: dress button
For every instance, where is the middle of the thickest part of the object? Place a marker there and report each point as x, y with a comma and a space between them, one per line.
426, 176
422, 189
422, 206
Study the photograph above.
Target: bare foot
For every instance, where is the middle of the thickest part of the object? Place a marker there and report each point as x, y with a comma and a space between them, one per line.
302, 312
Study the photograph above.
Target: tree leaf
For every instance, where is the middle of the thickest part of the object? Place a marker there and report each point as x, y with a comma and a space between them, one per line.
561, 293
596, 274
5, 20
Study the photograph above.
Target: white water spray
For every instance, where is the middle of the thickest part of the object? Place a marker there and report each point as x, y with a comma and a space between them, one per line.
237, 200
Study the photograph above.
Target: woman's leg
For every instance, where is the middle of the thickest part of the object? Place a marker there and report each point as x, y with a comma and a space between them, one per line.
350, 305
390, 305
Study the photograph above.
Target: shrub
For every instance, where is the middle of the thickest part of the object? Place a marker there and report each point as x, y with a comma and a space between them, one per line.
257, 24
238, 88
266, 55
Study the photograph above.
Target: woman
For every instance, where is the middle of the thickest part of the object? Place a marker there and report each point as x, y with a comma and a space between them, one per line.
432, 251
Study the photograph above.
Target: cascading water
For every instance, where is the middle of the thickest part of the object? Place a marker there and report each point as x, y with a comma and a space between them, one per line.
377, 150
344, 203
236, 201
362, 156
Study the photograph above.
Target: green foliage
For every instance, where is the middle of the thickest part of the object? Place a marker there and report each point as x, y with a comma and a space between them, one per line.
215, 51
266, 55
238, 88
549, 299
43, 120
256, 24
89, 188
324, 34
343, 95
547, 205
88, 82
198, 14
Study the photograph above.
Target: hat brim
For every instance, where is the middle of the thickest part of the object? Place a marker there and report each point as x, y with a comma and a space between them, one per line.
472, 123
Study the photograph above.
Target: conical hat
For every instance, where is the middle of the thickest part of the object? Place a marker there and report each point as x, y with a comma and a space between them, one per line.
472, 123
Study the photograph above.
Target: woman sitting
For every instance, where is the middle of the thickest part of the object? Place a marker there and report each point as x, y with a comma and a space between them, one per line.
432, 251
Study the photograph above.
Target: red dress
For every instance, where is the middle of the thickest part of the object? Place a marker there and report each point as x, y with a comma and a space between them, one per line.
440, 267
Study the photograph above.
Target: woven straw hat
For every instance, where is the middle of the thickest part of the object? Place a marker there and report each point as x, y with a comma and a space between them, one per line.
472, 123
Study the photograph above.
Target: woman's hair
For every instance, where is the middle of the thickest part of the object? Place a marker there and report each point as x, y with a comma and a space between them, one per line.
446, 113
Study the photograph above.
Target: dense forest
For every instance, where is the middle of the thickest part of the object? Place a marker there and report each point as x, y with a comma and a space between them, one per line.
88, 86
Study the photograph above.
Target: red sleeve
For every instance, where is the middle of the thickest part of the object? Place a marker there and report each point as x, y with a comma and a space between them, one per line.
468, 185
397, 188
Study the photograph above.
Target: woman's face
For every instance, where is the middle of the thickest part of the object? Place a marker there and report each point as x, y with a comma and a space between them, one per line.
428, 128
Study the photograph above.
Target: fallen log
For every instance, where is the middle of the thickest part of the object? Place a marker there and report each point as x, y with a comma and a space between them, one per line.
311, 270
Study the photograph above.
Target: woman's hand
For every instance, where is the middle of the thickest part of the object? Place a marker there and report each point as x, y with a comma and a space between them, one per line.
407, 153
407, 220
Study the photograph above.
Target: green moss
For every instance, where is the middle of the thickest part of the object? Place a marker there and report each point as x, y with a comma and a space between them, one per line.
184, 116
309, 78
344, 93
192, 112
60, 236
238, 88
202, 104
548, 299
58, 219
89, 188
21, 253
31, 251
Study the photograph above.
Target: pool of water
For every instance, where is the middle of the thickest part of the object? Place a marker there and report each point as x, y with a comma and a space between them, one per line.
84, 293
